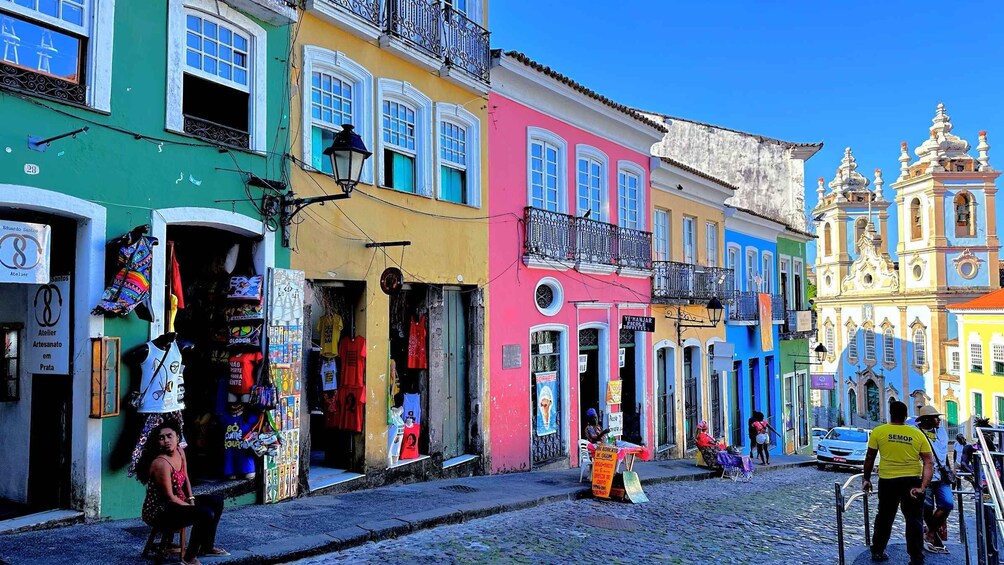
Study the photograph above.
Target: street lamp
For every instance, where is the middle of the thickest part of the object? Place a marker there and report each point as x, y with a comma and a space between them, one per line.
820, 350
683, 320
820, 354
347, 154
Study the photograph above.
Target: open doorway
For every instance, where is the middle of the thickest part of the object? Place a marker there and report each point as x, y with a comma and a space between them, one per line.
589, 380
665, 390
631, 403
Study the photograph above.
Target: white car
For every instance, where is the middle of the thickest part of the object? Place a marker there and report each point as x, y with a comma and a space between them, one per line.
843, 447
817, 434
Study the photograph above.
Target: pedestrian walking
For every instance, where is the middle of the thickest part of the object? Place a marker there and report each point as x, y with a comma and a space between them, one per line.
960, 445
938, 502
905, 473
762, 438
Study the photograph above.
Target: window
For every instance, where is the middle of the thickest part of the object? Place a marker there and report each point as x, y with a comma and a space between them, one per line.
827, 240
733, 259
965, 215
404, 143
660, 235
711, 240
51, 47
689, 243
978, 404
591, 182
783, 281
751, 275
852, 344
999, 410
869, 344
767, 274
216, 74
888, 346
798, 284
916, 220
340, 92
919, 348
546, 171
10, 359
998, 353
956, 358
630, 196
976, 357
459, 155
831, 340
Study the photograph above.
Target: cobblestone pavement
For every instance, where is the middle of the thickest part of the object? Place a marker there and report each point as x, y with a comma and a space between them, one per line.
779, 518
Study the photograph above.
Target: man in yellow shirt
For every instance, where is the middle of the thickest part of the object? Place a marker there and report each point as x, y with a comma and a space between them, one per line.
903, 481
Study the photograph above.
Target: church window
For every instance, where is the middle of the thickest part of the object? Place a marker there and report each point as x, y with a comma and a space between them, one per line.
831, 339
852, 344
827, 237
916, 220
965, 215
869, 344
919, 348
888, 342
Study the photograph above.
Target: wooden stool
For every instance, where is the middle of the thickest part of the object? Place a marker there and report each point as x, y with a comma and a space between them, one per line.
163, 549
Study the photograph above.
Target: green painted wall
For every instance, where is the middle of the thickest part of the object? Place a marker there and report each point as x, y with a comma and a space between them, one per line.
131, 176
796, 349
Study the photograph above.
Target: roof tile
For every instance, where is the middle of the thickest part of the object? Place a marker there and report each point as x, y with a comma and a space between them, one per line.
990, 301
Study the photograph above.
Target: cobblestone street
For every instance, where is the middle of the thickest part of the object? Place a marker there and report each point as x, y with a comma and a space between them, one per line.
782, 517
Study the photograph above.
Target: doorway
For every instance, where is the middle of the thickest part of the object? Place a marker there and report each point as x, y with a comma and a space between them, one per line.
736, 411
630, 403
547, 444
715, 393
589, 380
801, 410
455, 440
665, 365
691, 398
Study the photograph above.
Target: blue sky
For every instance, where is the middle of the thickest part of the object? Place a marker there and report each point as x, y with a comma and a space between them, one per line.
867, 75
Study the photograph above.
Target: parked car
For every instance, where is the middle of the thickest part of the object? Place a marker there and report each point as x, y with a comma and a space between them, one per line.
817, 434
843, 447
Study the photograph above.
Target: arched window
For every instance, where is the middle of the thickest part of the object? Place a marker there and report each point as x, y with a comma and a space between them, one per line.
919, 347
888, 344
872, 397
852, 344
859, 230
916, 220
869, 344
831, 340
827, 247
965, 215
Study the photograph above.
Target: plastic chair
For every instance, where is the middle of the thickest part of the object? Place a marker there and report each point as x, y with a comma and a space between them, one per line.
585, 460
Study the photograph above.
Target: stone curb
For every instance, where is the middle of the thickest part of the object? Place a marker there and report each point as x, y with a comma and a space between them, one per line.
302, 547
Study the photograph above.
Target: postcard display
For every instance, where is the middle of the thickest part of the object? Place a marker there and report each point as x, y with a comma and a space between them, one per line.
285, 359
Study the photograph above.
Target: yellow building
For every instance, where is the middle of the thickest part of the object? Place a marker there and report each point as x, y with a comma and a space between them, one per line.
402, 262
978, 360
688, 236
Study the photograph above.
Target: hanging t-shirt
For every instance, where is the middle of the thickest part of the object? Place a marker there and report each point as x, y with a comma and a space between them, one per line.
236, 459
412, 408
353, 354
352, 407
329, 328
329, 374
409, 444
242, 366
329, 406
417, 350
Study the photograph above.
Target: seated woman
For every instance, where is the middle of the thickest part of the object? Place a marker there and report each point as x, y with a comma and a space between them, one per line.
593, 432
707, 446
169, 503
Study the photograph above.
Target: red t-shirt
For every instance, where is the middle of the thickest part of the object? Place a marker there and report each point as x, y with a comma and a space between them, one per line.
331, 411
351, 407
242, 371
417, 333
409, 444
353, 354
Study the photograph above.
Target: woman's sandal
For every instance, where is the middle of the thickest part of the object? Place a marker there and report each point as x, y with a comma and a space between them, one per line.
215, 552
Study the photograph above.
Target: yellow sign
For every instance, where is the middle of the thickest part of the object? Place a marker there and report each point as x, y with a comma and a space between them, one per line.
604, 467
614, 392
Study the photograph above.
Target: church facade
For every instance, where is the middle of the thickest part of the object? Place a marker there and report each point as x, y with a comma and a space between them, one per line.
885, 321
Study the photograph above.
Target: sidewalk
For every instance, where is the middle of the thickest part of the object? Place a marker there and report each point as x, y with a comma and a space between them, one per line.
321, 524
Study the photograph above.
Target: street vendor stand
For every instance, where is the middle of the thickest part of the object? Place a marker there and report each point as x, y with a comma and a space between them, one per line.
608, 480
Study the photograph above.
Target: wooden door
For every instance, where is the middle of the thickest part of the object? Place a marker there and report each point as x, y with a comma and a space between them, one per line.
455, 343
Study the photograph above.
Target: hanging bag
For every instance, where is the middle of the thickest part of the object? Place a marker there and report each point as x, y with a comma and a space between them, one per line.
264, 394
947, 473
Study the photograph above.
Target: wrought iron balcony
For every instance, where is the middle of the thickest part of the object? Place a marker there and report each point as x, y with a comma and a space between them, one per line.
431, 27
682, 282
746, 308
216, 133
791, 329
777, 308
568, 239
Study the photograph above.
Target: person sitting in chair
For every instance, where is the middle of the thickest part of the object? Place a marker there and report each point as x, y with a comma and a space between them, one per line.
707, 446
593, 432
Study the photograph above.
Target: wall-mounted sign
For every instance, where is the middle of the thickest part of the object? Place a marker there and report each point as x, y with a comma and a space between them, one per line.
721, 361
821, 381
545, 348
638, 323
512, 356
615, 422
621, 353
48, 336
583, 363
24, 252
614, 389
803, 321
547, 412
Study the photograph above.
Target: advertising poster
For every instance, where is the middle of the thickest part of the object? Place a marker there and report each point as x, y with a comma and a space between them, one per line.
547, 387
615, 422
614, 389
604, 467
766, 322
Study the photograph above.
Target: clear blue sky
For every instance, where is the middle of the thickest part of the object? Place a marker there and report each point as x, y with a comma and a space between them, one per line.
867, 75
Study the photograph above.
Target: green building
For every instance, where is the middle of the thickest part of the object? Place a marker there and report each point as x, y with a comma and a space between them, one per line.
179, 112
796, 341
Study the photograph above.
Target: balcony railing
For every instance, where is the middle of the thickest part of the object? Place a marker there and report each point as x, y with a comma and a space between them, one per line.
569, 239
777, 309
682, 282
747, 307
790, 329
431, 27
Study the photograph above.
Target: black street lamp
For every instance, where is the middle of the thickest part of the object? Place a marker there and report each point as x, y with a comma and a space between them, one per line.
347, 154
820, 351
683, 320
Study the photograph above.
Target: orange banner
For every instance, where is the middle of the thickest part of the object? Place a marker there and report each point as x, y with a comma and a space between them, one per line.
604, 467
766, 322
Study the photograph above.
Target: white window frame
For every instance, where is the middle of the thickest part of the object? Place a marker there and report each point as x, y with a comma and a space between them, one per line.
257, 53
589, 152
888, 345
632, 168
954, 361
976, 357
768, 272
784, 268
473, 11
852, 343
972, 403
661, 245
99, 28
733, 259
751, 273
404, 93
871, 349
460, 116
711, 243
830, 337
541, 135
337, 64
691, 222
919, 353
997, 356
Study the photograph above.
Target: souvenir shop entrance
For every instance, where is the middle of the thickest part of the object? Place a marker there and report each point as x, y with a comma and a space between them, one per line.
336, 367
36, 339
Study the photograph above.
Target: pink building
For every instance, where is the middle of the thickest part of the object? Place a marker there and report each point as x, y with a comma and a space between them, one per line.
570, 256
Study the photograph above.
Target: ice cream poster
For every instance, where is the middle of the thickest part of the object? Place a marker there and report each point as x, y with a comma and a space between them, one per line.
547, 413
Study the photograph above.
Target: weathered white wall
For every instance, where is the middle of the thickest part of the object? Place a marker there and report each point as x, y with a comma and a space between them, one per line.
771, 180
